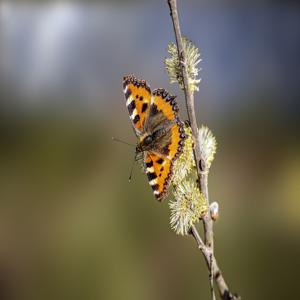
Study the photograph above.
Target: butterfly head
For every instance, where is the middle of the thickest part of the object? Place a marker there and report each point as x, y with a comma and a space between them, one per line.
145, 143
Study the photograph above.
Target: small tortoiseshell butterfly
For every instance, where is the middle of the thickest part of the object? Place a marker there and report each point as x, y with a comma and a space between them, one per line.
158, 128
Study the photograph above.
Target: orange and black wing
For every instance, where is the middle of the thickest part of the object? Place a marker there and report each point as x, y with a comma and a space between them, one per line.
159, 162
138, 99
165, 104
159, 172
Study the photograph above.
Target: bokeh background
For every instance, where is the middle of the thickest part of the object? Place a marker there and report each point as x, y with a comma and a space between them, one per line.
71, 226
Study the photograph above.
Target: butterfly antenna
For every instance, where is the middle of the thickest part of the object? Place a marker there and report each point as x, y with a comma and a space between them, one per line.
120, 141
132, 166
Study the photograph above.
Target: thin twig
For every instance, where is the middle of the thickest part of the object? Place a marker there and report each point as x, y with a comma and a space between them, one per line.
213, 266
211, 278
206, 247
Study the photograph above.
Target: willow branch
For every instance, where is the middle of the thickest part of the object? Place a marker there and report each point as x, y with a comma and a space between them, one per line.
189, 98
206, 247
212, 265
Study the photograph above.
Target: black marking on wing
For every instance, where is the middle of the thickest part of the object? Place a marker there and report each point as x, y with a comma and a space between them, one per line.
128, 93
155, 187
149, 164
166, 150
131, 107
160, 161
136, 119
153, 110
151, 176
144, 107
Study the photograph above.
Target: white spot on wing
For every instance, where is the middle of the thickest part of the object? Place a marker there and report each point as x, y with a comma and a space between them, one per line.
152, 100
129, 100
134, 113
153, 181
150, 170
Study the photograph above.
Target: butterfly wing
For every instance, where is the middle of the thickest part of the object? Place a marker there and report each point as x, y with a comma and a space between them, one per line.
170, 145
159, 171
163, 115
138, 98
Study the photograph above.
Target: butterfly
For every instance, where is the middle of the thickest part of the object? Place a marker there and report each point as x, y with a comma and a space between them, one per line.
160, 133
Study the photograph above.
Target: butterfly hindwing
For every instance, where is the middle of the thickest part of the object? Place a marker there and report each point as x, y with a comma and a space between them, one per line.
138, 99
158, 170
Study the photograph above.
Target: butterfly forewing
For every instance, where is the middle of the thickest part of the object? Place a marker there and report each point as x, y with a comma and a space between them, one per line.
166, 105
165, 102
138, 98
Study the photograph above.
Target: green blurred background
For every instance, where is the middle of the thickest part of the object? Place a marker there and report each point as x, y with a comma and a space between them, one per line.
71, 226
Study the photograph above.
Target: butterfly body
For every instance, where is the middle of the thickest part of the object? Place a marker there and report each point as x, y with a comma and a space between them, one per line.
158, 128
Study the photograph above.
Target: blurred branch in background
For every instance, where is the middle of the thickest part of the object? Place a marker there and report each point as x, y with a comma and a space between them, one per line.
207, 247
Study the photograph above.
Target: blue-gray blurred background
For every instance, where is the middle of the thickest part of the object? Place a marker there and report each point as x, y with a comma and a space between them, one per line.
71, 226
